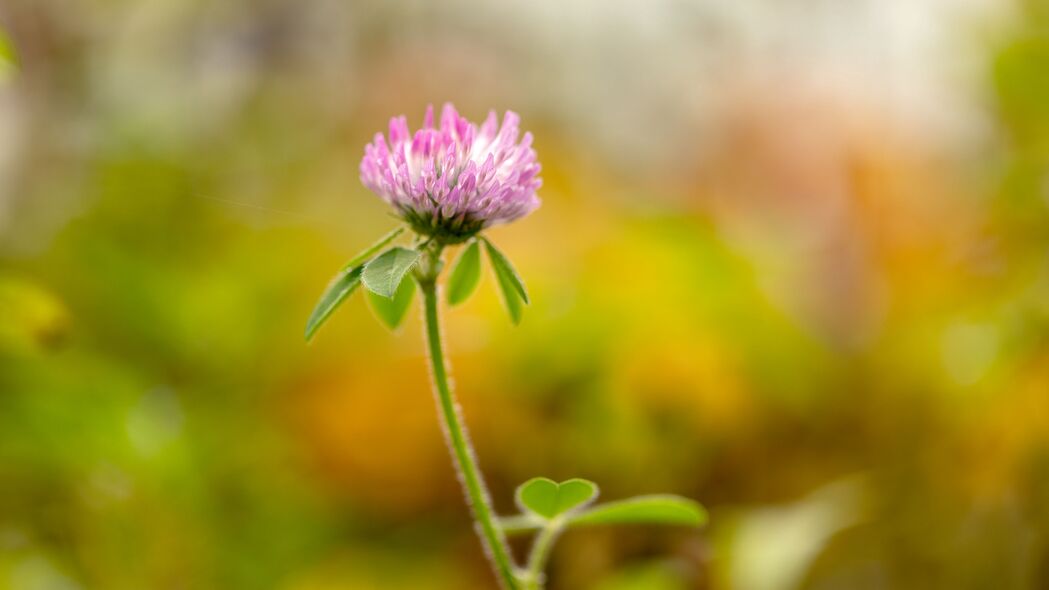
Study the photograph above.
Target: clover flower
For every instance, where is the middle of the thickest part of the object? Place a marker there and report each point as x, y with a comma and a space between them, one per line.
448, 184
452, 181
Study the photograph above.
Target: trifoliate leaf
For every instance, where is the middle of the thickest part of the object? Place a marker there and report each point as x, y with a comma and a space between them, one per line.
338, 289
656, 509
466, 273
548, 499
392, 311
344, 283
383, 274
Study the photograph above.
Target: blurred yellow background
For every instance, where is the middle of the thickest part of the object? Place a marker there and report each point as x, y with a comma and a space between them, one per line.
792, 261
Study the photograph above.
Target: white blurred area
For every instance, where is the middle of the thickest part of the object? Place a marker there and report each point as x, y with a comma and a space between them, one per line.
639, 81
772, 547
645, 80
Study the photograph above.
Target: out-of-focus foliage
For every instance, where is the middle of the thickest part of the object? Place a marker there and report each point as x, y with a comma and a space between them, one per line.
8, 58
758, 279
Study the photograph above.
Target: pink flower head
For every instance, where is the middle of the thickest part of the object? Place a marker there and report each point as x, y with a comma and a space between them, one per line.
452, 181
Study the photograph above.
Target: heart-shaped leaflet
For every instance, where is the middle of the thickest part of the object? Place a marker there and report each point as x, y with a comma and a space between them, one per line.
549, 499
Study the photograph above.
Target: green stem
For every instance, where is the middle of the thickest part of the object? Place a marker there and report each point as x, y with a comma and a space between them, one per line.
544, 543
520, 523
492, 536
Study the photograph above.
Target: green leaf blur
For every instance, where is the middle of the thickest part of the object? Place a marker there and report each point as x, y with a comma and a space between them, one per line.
8, 57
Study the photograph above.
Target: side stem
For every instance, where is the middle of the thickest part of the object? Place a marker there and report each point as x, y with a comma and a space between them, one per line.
492, 536
543, 544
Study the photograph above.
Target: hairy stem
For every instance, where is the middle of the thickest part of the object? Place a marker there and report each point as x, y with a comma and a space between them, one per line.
491, 534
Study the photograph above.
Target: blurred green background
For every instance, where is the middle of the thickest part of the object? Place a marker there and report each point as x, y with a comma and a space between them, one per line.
792, 261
